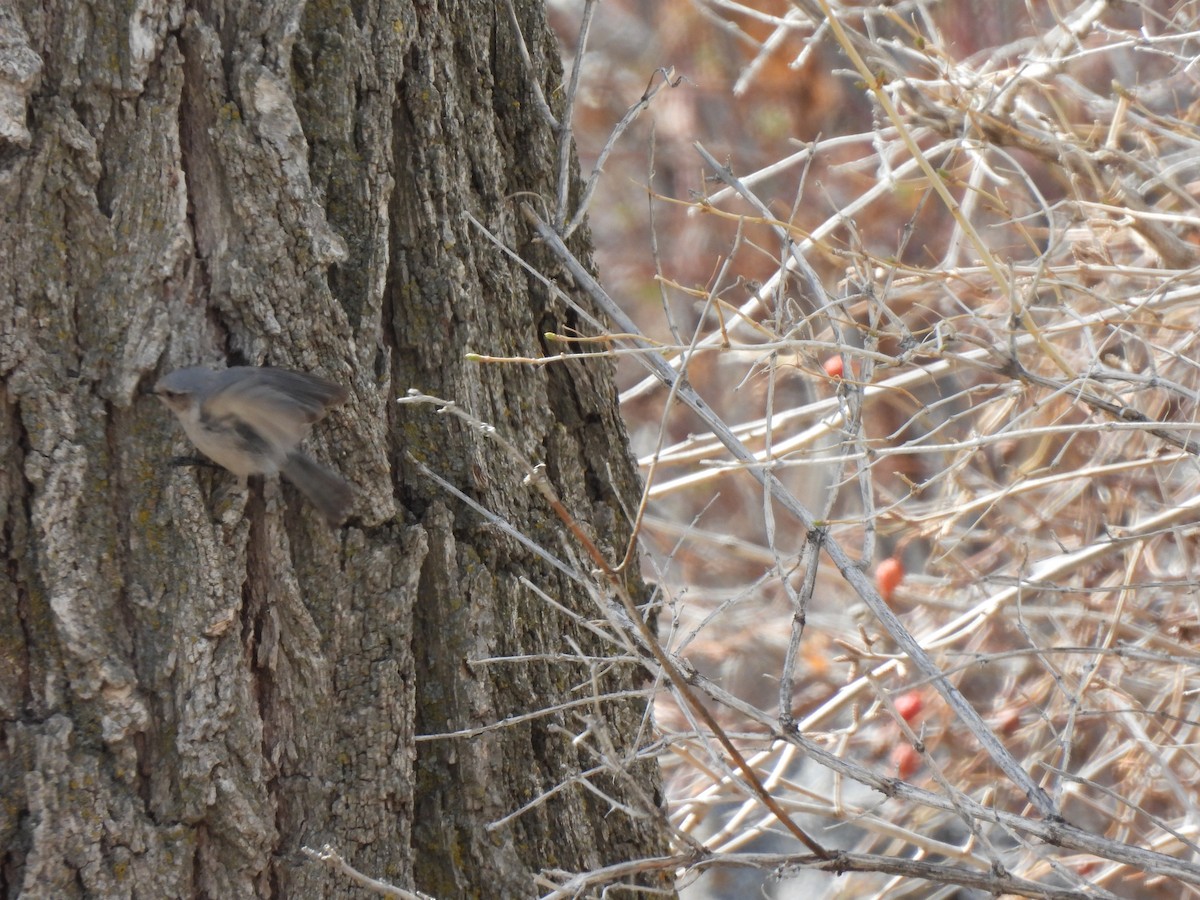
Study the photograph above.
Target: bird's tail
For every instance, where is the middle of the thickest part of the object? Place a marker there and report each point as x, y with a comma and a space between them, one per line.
329, 492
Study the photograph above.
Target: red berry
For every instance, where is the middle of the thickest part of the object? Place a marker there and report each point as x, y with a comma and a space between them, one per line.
888, 574
905, 759
834, 367
909, 704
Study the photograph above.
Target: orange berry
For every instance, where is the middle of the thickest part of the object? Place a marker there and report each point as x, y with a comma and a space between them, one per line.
834, 367
888, 574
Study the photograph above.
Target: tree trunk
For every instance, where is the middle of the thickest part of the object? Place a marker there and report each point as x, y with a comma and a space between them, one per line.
199, 680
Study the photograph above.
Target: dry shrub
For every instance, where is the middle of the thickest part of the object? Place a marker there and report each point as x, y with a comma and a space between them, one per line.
989, 212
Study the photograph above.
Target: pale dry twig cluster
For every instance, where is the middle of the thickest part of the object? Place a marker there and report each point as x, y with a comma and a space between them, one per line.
1001, 271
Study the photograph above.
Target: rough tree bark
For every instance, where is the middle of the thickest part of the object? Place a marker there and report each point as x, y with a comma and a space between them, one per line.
195, 680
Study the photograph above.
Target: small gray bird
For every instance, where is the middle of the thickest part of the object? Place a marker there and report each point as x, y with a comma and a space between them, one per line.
251, 420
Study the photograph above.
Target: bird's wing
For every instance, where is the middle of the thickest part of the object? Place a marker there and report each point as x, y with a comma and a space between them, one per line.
309, 393
280, 404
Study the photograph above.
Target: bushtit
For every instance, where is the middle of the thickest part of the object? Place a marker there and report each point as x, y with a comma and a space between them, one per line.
252, 419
